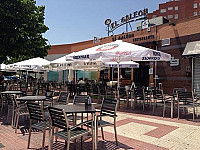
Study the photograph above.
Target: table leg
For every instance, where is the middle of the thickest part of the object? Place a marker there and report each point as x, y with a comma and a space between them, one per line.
50, 138
94, 132
172, 107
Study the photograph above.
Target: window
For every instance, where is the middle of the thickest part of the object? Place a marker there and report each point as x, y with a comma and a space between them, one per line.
170, 8
163, 11
170, 16
126, 73
176, 16
176, 8
195, 13
166, 42
115, 73
195, 5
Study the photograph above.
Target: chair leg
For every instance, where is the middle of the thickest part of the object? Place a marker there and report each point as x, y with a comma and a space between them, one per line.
143, 105
29, 136
43, 140
178, 111
8, 114
164, 108
13, 117
102, 133
115, 133
68, 143
193, 113
17, 122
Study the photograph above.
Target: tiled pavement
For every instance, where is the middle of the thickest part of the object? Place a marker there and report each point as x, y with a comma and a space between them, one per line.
136, 130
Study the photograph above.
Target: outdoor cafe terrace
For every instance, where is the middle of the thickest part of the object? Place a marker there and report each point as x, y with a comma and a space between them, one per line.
140, 123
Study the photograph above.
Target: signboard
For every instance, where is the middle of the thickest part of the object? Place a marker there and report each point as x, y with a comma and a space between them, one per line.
126, 19
151, 71
174, 62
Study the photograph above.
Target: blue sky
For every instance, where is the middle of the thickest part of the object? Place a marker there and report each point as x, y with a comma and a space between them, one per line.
72, 21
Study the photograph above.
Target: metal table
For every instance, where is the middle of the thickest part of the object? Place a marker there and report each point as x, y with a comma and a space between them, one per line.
31, 98
11, 92
82, 108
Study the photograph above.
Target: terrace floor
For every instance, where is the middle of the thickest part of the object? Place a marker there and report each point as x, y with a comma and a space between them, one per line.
137, 130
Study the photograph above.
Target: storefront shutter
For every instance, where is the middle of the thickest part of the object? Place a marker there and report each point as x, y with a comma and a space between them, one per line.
196, 76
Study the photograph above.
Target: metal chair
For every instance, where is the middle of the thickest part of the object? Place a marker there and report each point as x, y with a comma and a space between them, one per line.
36, 113
160, 99
108, 109
59, 119
139, 95
79, 99
20, 110
63, 98
49, 97
186, 100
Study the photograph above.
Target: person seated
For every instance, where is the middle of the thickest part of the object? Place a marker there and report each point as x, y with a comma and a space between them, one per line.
81, 81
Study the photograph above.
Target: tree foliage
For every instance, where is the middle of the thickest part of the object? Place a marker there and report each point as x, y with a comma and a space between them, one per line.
21, 29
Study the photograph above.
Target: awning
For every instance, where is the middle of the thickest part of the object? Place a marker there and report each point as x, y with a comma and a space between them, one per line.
192, 48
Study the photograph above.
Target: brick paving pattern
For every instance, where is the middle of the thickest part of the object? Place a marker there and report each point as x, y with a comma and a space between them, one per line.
136, 130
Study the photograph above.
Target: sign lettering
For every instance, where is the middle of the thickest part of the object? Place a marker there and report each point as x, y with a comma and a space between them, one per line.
81, 57
128, 18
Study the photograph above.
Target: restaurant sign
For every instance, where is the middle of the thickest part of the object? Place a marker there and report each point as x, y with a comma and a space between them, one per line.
126, 19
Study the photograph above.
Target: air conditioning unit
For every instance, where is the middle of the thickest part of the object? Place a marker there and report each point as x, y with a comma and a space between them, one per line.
149, 29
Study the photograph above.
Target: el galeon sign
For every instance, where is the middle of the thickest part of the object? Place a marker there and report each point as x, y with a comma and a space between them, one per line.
128, 18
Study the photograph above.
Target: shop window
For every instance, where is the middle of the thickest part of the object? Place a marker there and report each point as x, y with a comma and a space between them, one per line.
163, 11
126, 73
176, 16
170, 16
195, 13
103, 73
170, 8
115, 73
195, 5
176, 8
166, 42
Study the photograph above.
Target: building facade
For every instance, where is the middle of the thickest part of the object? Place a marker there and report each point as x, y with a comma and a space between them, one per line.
170, 38
177, 9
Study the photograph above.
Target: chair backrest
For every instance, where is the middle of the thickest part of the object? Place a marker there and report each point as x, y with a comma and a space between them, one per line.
58, 118
122, 92
80, 99
109, 106
94, 89
63, 97
36, 111
35, 91
102, 89
158, 94
185, 97
49, 94
132, 86
139, 93
7, 98
175, 90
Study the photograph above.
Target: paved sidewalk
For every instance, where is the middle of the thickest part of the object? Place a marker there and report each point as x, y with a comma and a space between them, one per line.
136, 130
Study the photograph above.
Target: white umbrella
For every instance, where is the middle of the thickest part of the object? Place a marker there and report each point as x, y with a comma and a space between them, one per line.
29, 64
119, 51
123, 64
